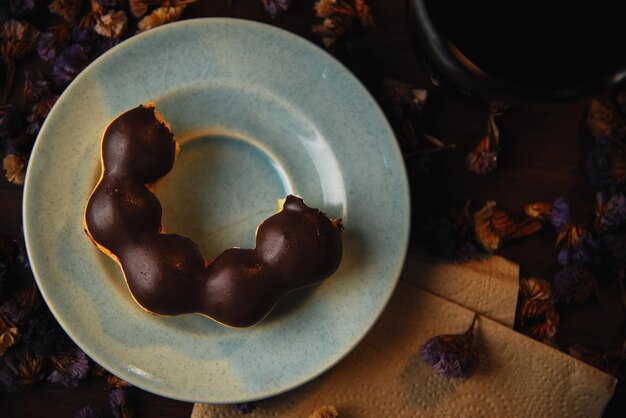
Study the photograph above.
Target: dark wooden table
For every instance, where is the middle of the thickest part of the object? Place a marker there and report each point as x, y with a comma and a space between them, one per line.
545, 146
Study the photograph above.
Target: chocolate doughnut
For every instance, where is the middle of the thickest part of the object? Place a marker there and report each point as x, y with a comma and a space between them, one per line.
165, 273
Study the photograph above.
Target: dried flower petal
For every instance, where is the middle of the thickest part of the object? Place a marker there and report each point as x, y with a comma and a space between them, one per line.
612, 362
111, 24
452, 355
52, 42
120, 406
89, 412
160, 16
9, 333
561, 215
67, 9
325, 412
493, 226
536, 298
69, 64
70, 367
611, 212
539, 210
338, 19
580, 247
574, 285
276, 7
15, 168
22, 369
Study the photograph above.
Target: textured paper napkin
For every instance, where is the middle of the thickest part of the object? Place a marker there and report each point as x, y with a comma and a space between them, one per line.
487, 285
385, 376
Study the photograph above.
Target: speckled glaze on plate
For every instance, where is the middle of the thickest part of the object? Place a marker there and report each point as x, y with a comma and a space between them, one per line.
260, 113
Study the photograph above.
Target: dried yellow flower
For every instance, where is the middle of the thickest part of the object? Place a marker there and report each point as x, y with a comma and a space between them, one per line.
159, 17
111, 24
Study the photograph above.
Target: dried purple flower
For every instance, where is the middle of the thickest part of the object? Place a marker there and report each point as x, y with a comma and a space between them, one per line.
610, 213
15, 168
606, 164
67, 9
612, 362
70, 367
22, 306
22, 369
276, 7
246, 407
574, 285
69, 64
561, 216
453, 355
85, 37
120, 406
43, 335
111, 24
52, 42
580, 247
89, 412
106, 44
36, 87
18, 39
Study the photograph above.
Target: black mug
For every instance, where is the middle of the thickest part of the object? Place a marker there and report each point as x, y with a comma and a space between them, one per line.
534, 51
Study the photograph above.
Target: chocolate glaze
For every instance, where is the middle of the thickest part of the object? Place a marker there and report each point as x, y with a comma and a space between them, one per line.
297, 247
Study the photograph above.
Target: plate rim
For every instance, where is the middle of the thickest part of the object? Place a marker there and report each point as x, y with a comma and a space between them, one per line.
311, 48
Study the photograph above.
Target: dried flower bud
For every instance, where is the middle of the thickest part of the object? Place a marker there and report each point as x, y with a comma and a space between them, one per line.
70, 367
276, 7
493, 226
539, 210
9, 333
611, 212
160, 16
15, 168
574, 285
612, 362
452, 355
69, 64
111, 24
325, 412
580, 247
89, 412
67, 9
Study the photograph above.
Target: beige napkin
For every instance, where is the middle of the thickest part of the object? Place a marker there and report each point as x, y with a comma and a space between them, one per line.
487, 285
385, 376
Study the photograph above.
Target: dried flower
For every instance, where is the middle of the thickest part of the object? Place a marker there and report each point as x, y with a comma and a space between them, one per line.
612, 362
159, 17
15, 168
325, 412
114, 382
536, 298
561, 216
67, 9
70, 367
452, 355
484, 158
606, 164
539, 210
605, 121
52, 42
106, 44
276, 7
22, 306
138, 8
9, 333
120, 406
246, 407
574, 285
36, 87
22, 369
69, 64
89, 412
43, 335
18, 39
339, 16
111, 24
493, 227
580, 247
611, 212
545, 330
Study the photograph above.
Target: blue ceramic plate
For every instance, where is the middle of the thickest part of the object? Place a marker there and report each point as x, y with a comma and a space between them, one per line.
260, 113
